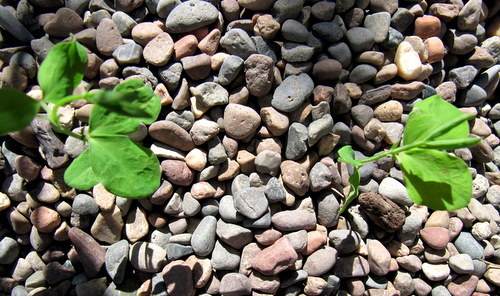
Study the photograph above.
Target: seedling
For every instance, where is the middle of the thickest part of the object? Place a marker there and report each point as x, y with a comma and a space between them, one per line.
123, 166
433, 177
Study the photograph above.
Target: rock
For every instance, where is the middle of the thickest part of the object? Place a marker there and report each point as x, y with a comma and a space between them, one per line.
108, 226
296, 52
187, 17
250, 202
292, 92
331, 31
427, 26
178, 278
171, 134
435, 272
9, 250
116, 260
136, 225
147, 257
84, 204
231, 67
360, 39
294, 31
224, 257
203, 239
382, 211
351, 266
51, 147
468, 17
108, 37
467, 244
237, 42
233, 234
321, 261
64, 22
10, 23
294, 220
461, 263
55, 272
90, 253
276, 258
240, 122
462, 76
45, 219
295, 177
128, 54
259, 74
235, 284
297, 141
158, 51
379, 24
408, 61
463, 285
459, 42
362, 73
379, 259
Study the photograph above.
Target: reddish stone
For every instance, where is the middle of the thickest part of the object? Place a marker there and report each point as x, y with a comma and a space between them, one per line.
276, 258
427, 26
436, 237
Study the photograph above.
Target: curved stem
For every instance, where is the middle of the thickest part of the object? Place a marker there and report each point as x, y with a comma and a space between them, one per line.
391, 152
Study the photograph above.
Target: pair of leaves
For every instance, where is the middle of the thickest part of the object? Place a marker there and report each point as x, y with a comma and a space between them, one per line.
123, 166
433, 178
60, 73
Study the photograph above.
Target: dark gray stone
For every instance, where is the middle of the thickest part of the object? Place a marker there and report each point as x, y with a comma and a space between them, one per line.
379, 24
292, 92
296, 141
294, 31
176, 251
402, 19
362, 73
330, 31
341, 52
237, 42
230, 69
360, 39
170, 75
51, 146
203, 239
10, 24
467, 244
116, 260
191, 15
128, 54
462, 76
296, 52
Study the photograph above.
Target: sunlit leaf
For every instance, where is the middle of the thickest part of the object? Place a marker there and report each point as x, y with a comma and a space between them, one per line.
62, 70
124, 167
79, 174
131, 98
346, 154
105, 122
436, 179
435, 119
17, 110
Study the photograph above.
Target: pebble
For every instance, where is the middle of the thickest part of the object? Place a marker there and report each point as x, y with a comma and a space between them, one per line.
107, 226
136, 224
360, 39
191, 15
108, 37
427, 26
351, 266
379, 24
147, 257
84, 204
240, 122
64, 22
275, 258
331, 31
435, 272
294, 31
320, 262
407, 61
235, 284
459, 42
436, 237
467, 244
468, 17
9, 250
237, 42
251, 202
45, 219
158, 51
203, 239
462, 76
178, 279
379, 258
116, 260
90, 253
225, 257
395, 191
171, 134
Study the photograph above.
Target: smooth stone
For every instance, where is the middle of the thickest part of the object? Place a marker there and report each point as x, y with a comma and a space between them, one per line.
293, 220
362, 73
408, 61
116, 260
351, 266
147, 257
203, 239
235, 284
467, 244
251, 202
9, 250
320, 262
10, 23
191, 15
225, 257
275, 258
91, 254
234, 235
84, 204
360, 39
238, 42
379, 24
178, 279
292, 92
331, 31
435, 272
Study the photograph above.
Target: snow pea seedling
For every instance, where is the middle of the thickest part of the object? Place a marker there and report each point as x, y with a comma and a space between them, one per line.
433, 177
121, 165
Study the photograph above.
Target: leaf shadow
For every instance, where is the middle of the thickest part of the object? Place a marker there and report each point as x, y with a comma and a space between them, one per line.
435, 195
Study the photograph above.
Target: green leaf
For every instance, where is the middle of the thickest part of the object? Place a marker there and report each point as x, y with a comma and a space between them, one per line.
354, 179
124, 167
347, 155
79, 174
435, 119
105, 122
62, 70
17, 110
451, 144
132, 98
436, 179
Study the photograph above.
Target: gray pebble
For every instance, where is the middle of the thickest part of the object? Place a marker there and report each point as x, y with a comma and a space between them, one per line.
379, 24
234, 235
467, 244
216, 152
227, 210
341, 52
485, 78
296, 52
473, 96
191, 15
296, 141
164, 7
224, 257
265, 47
128, 54
492, 45
176, 251
251, 202
402, 19
275, 191
362, 73
124, 23
298, 240
440, 291
263, 222
171, 75
9, 250
141, 71
410, 229
330, 31
319, 128
209, 207
230, 69
459, 42
190, 205
294, 31
291, 277
26, 61
394, 38
287, 9
462, 76
237, 42
268, 162
116, 260
343, 131
360, 39
345, 241
362, 114
184, 118
203, 239
10, 24
84, 204
161, 237
292, 92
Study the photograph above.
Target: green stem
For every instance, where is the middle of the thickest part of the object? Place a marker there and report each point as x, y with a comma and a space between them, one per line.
391, 152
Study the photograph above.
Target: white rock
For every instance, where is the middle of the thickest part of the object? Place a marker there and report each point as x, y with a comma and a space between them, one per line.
196, 159
395, 191
408, 61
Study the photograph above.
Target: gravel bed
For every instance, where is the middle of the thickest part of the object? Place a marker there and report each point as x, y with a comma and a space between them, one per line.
257, 95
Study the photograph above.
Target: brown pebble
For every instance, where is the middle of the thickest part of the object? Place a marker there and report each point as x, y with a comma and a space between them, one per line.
177, 172
45, 219
186, 46
427, 26
197, 67
210, 43
382, 211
